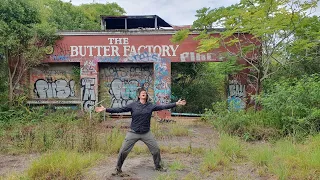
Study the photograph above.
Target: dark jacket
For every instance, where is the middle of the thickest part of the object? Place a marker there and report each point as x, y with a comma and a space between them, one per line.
141, 114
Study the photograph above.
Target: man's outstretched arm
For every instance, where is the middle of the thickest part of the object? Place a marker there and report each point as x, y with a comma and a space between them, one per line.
170, 105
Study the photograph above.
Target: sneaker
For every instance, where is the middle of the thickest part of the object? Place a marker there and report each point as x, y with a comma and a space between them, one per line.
118, 172
161, 169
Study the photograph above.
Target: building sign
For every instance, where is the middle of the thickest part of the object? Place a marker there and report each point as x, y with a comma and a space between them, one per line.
109, 48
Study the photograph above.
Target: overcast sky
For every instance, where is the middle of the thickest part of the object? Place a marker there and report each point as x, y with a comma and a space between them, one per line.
175, 12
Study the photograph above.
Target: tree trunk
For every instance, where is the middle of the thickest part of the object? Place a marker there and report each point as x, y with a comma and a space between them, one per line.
256, 105
10, 86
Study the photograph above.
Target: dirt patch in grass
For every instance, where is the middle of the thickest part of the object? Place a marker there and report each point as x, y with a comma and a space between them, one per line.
15, 163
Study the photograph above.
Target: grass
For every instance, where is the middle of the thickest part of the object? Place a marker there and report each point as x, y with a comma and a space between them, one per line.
62, 139
230, 147
176, 166
191, 176
184, 150
289, 160
178, 130
167, 176
168, 130
213, 161
62, 165
111, 142
261, 155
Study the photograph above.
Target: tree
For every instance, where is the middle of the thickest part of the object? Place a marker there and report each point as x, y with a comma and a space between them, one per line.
23, 39
95, 10
83, 17
272, 24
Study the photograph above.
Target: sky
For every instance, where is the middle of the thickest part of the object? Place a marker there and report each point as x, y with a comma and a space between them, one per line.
175, 12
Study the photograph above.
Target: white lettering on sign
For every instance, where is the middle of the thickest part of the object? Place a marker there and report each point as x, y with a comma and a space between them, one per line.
162, 50
117, 45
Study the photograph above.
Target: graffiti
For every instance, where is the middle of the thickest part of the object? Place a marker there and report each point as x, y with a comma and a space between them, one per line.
144, 57
136, 72
108, 59
61, 57
49, 72
89, 67
162, 82
88, 93
48, 88
123, 92
161, 85
53, 102
236, 95
163, 97
122, 81
192, 57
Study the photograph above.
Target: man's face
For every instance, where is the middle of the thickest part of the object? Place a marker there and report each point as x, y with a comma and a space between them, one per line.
143, 95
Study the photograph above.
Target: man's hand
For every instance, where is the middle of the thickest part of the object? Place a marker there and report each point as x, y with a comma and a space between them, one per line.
181, 102
99, 109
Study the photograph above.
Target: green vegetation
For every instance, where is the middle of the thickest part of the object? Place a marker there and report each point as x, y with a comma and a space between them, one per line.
61, 165
176, 165
278, 132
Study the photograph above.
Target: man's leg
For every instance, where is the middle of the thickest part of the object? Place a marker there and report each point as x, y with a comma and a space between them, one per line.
127, 145
152, 144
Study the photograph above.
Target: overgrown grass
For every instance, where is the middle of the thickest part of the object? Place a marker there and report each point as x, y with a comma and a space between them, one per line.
229, 149
289, 160
168, 130
110, 142
191, 176
167, 176
60, 130
213, 161
176, 165
62, 165
290, 108
178, 130
249, 125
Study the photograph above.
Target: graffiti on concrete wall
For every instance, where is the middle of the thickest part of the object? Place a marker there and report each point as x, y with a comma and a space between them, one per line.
162, 83
123, 92
89, 67
49, 88
53, 82
123, 80
236, 94
88, 92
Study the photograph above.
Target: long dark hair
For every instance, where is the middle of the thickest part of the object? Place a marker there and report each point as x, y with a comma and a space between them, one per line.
139, 91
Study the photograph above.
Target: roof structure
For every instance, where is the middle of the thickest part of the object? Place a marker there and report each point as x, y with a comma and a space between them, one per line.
133, 22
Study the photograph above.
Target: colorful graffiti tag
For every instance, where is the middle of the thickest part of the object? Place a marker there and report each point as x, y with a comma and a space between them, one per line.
88, 92
123, 80
236, 95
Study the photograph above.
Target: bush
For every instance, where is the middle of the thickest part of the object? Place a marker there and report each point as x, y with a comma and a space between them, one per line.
291, 108
296, 104
248, 124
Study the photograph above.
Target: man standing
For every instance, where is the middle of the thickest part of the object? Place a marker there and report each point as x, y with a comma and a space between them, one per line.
141, 112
